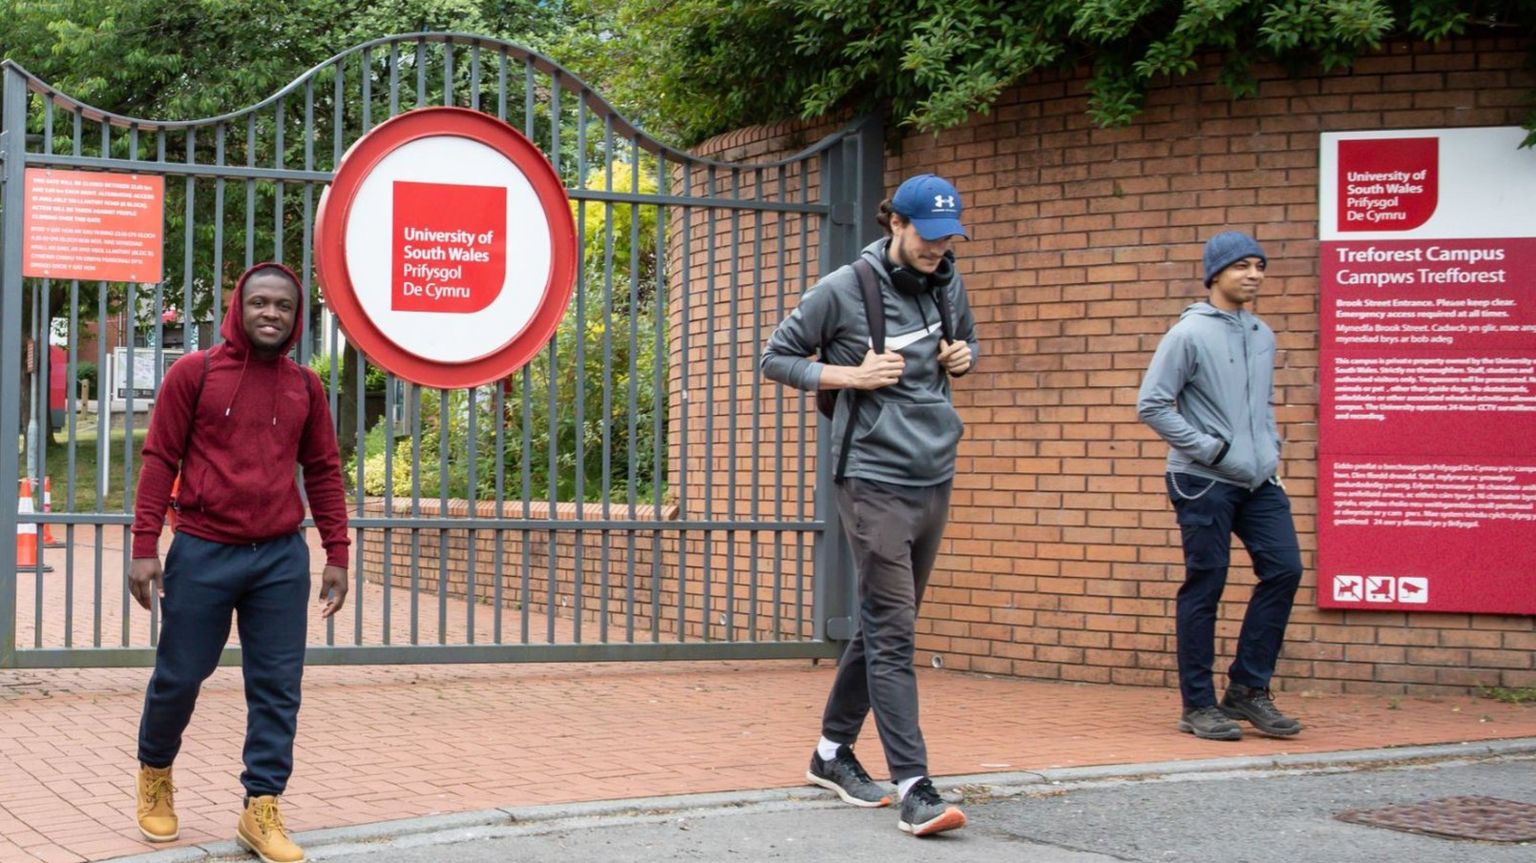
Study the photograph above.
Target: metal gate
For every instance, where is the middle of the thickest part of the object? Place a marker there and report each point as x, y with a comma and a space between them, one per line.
636, 492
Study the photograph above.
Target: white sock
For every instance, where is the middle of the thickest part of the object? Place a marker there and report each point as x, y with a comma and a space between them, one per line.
906, 785
827, 749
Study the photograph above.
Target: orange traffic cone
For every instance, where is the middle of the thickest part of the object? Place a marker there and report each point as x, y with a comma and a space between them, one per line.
49, 540
26, 532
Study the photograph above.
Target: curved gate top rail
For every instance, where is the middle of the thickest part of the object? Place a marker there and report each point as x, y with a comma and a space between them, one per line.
525, 58
636, 492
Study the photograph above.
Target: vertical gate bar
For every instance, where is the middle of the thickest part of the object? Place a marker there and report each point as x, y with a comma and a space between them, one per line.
760, 191
39, 336
131, 310
216, 280
421, 74
526, 599
279, 119
103, 445
554, 369
447, 73
474, 77
365, 117
444, 535
360, 448
360, 424
658, 395
386, 568
711, 299
733, 483
413, 411
607, 457
685, 368
187, 332
394, 79
499, 406
13, 131
583, 283
805, 420
250, 192
42, 402
72, 409
74, 428
633, 438
470, 596
781, 224
501, 86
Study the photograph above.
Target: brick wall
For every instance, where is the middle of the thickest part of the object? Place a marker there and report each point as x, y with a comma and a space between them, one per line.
1062, 558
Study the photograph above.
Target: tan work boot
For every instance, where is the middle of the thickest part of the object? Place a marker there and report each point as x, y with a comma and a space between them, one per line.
157, 804
261, 832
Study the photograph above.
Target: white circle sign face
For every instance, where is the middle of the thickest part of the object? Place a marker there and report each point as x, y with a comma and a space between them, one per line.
446, 247
389, 216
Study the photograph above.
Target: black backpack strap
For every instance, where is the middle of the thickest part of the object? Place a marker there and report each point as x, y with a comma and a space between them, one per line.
874, 316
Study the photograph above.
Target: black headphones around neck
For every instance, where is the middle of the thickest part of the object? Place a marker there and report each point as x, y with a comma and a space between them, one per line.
910, 283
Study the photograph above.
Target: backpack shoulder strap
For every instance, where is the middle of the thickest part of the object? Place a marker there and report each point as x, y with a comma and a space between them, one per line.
874, 315
874, 305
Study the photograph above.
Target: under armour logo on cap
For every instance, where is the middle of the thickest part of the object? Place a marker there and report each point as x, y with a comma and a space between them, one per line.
932, 204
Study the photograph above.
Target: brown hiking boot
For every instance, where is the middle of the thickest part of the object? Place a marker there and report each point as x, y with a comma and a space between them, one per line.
157, 804
261, 832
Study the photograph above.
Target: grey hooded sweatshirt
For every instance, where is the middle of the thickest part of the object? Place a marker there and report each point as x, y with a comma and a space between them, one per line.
1208, 393
906, 433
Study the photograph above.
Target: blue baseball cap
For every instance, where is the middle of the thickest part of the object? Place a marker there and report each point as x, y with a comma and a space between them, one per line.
931, 204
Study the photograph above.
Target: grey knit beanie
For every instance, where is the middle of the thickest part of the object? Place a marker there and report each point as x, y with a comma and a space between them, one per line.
1226, 249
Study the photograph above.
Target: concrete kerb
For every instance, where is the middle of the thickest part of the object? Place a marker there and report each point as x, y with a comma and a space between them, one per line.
522, 820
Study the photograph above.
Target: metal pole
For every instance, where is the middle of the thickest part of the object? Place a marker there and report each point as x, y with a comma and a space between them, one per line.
13, 128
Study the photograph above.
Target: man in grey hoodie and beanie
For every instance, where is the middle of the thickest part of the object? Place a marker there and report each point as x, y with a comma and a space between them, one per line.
1208, 394
894, 468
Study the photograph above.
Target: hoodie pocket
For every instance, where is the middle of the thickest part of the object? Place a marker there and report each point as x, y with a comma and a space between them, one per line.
914, 440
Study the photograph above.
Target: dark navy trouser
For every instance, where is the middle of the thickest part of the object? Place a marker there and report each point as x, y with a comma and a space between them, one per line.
1209, 513
266, 584
895, 532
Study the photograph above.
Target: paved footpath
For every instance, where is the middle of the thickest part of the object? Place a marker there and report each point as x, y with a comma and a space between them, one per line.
379, 744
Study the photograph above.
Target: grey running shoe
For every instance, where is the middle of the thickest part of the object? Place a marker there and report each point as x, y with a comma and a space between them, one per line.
1258, 706
924, 812
845, 775
1209, 723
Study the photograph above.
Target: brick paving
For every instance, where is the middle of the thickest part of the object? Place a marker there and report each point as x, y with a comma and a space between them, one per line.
378, 743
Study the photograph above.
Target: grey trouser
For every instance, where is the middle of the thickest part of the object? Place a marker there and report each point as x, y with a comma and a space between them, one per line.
895, 532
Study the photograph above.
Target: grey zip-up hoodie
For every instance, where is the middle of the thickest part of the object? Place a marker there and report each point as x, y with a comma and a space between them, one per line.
1208, 394
906, 433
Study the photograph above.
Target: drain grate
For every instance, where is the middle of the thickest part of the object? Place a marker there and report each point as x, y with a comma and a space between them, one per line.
1488, 819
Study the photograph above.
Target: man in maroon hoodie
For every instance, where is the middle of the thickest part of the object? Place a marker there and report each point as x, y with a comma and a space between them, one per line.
234, 421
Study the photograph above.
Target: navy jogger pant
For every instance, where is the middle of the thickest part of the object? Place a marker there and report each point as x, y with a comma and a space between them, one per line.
266, 586
1209, 513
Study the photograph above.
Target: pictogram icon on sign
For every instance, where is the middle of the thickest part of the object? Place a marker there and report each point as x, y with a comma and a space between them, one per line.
1348, 588
1414, 590
1380, 588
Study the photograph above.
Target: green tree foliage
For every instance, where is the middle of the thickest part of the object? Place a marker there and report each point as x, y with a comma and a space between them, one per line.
698, 67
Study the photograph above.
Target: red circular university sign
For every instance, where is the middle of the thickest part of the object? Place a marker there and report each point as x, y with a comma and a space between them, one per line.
446, 247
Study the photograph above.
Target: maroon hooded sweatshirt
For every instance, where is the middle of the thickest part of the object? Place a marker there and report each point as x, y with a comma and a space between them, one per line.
256, 419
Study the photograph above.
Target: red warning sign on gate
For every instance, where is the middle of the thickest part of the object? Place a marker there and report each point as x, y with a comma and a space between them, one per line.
446, 248
93, 225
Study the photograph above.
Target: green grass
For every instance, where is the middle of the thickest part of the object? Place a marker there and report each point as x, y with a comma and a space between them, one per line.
85, 475
1509, 695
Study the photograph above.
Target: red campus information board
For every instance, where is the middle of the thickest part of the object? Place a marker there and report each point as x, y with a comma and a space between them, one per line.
1427, 421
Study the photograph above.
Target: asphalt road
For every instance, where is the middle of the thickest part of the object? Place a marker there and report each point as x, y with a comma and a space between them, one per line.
1238, 816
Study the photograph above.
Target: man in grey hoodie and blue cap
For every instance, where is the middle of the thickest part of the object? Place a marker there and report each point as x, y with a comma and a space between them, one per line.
1208, 394
894, 434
